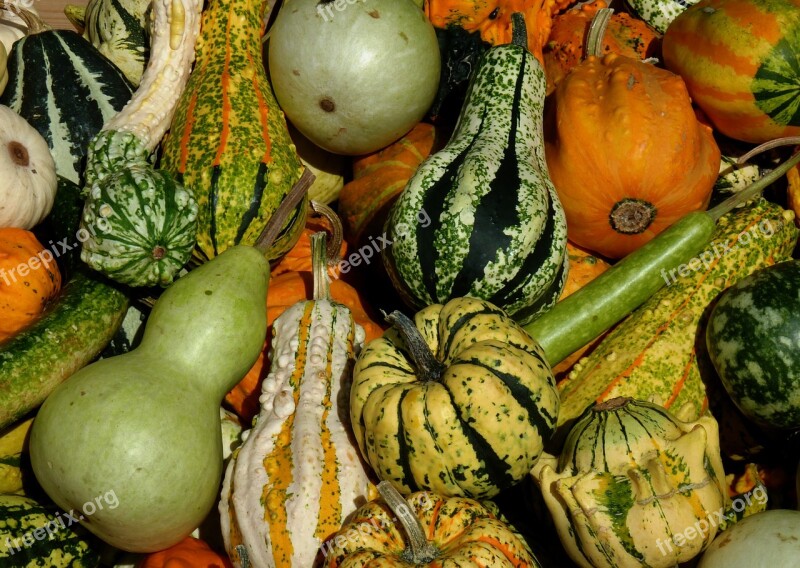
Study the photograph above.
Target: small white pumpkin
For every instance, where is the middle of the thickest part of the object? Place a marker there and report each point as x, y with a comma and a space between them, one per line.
12, 27
27, 173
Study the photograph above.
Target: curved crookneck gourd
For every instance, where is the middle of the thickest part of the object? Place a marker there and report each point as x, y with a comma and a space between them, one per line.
481, 217
298, 476
229, 140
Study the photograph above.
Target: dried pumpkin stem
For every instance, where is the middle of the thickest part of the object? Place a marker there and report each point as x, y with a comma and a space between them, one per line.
33, 23
319, 266
631, 216
597, 31
276, 222
335, 242
420, 551
519, 33
612, 404
428, 367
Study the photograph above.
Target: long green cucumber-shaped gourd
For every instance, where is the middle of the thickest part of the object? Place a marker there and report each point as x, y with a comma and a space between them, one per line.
229, 141
481, 217
585, 314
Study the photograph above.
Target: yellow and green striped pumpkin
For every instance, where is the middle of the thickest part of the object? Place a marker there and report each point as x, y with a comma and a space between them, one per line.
739, 61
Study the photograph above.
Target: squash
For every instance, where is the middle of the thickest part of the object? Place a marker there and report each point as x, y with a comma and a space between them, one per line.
734, 56
480, 217
28, 182
297, 476
425, 529
378, 178
652, 354
630, 481
228, 140
625, 170
65, 89
659, 14
29, 280
189, 553
328, 168
299, 258
3, 68
459, 402
566, 45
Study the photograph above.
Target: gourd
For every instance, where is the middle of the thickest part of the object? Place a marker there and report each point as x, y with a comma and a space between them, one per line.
625, 170
28, 185
652, 354
751, 98
629, 478
328, 168
766, 539
228, 139
425, 529
30, 280
65, 89
497, 229
187, 553
12, 26
354, 80
459, 402
118, 29
13, 443
61, 544
3, 68
749, 339
659, 14
298, 476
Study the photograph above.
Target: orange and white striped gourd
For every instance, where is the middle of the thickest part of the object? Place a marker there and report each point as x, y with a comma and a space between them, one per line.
297, 475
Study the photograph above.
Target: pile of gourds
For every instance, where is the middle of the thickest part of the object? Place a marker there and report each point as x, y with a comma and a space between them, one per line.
528, 309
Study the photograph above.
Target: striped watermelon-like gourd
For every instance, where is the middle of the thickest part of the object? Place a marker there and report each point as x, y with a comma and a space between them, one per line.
629, 478
66, 89
229, 141
652, 354
297, 476
481, 217
461, 405
739, 59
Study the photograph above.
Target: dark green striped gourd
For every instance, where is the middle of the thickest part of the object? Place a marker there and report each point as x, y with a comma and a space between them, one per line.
462, 407
66, 89
481, 217
228, 140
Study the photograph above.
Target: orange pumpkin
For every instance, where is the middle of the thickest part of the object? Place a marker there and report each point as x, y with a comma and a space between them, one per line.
566, 46
299, 258
626, 153
29, 280
189, 553
377, 179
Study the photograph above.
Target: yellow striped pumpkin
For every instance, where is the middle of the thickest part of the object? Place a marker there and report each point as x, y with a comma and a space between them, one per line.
738, 59
297, 475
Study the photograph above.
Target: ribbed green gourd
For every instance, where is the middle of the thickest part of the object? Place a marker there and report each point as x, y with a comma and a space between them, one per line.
228, 140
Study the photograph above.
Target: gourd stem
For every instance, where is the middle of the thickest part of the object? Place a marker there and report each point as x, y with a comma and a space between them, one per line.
419, 551
319, 266
753, 189
275, 223
33, 22
335, 242
519, 32
428, 367
597, 31
761, 148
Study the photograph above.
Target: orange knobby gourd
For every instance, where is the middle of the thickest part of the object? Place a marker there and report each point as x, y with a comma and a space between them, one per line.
29, 280
626, 153
189, 553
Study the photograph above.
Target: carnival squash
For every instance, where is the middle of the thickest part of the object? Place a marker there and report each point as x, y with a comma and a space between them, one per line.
625, 169
29, 280
189, 553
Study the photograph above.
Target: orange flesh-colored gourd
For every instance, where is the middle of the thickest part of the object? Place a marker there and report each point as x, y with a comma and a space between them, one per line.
189, 553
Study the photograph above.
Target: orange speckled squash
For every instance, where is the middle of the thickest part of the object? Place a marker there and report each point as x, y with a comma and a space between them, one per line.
566, 46
29, 280
378, 178
189, 553
624, 168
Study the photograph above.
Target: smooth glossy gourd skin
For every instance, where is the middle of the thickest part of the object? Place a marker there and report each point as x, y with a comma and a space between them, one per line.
145, 425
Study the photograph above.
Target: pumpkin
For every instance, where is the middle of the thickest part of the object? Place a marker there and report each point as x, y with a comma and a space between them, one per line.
737, 58
299, 258
566, 46
188, 553
459, 402
27, 173
425, 529
29, 280
624, 169
378, 178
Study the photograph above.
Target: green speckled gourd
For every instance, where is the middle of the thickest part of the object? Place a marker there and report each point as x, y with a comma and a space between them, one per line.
629, 479
35, 536
658, 14
228, 140
495, 228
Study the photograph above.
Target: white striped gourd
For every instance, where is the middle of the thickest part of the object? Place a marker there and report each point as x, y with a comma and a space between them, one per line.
481, 217
297, 475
